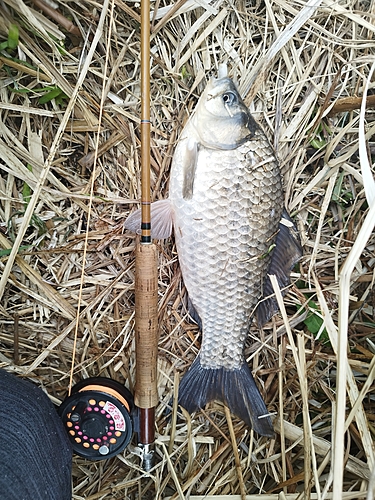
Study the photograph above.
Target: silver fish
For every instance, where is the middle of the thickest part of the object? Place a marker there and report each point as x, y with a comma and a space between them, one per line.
231, 230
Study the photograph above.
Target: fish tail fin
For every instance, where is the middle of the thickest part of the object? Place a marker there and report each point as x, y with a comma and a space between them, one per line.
235, 388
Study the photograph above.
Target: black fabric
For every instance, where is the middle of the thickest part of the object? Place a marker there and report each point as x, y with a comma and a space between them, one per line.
35, 453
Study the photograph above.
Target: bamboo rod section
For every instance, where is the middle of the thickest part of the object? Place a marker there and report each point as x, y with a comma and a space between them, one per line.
145, 122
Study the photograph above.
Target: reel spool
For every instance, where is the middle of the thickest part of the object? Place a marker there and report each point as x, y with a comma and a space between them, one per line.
97, 417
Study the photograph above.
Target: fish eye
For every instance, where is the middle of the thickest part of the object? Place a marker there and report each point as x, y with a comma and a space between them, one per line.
229, 98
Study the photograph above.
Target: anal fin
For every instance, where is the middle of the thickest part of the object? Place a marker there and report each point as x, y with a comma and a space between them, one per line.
194, 314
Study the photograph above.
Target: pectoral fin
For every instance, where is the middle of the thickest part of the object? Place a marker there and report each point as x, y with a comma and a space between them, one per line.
190, 165
284, 256
161, 220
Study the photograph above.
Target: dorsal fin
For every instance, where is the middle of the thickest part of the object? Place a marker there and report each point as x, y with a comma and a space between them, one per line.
284, 256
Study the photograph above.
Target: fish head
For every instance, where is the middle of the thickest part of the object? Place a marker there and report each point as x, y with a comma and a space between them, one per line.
221, 119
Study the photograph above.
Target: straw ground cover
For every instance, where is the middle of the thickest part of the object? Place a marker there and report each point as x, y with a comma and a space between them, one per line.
69, 175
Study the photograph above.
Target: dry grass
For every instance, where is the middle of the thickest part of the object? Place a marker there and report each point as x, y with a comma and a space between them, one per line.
61, 207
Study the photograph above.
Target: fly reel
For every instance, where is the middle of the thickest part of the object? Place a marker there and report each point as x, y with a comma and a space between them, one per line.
98, 417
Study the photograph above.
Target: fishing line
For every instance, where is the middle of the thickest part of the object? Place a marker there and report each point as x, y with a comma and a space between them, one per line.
93, 176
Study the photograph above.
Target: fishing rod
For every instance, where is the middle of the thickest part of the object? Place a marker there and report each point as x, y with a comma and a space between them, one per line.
100, 414
146, 276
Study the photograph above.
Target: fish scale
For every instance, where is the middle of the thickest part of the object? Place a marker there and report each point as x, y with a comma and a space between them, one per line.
222, 234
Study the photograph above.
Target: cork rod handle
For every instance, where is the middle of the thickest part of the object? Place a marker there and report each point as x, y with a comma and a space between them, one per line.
146, 325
